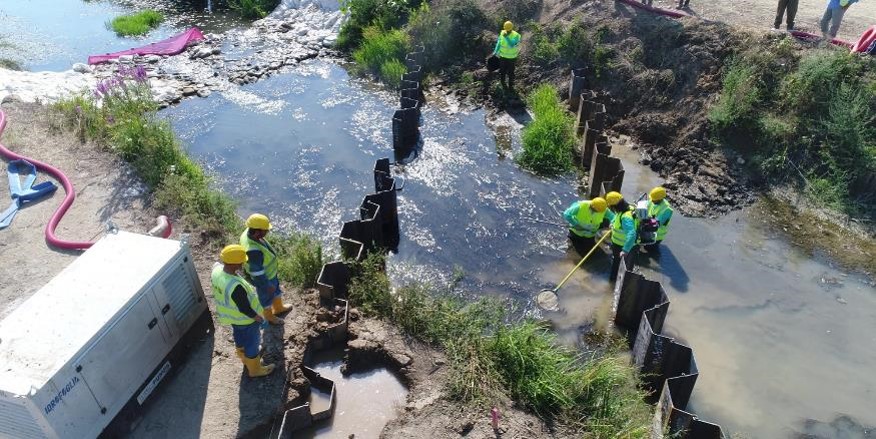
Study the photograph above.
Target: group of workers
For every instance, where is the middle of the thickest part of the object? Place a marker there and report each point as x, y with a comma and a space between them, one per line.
830, 21
247, 292
587, 217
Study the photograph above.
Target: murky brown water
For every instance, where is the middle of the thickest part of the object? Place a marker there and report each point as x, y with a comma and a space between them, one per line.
365, 401
779, 338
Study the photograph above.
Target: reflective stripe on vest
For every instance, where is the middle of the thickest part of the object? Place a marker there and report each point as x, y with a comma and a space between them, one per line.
655, 211
505, 48
588, 220
618, 235
226, 311
269, 263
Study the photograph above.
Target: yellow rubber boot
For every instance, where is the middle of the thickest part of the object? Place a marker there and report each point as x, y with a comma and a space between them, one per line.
271, 318
255, 367
240, 353
278, 307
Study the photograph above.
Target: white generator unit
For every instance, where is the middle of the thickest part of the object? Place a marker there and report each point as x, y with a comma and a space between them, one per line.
98, 338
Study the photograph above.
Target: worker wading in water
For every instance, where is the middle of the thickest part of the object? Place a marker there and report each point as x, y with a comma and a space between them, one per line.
659, 208
507, 49
585, 218
261, 267
238, 305
624, 232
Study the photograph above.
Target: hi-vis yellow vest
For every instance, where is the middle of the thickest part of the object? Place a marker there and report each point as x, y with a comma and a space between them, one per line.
654, 211
269, 263
588, 220
509, 45
226, 311
618, 235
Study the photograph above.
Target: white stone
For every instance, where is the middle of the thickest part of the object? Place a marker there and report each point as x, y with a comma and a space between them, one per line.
126, 59
81, 68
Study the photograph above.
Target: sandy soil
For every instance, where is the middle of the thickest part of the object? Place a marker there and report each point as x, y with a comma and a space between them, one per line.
105, 191
759, 14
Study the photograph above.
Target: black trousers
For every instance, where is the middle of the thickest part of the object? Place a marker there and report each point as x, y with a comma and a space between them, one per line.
615, 260
653, 248
580, 244
791, 7
506, 70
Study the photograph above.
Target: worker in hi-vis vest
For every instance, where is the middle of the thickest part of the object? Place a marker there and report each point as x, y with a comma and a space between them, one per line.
585, 218
659, 208
624, 231
507, 49
261, 267
238, 305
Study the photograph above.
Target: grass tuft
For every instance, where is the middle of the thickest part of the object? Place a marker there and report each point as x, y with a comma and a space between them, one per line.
300, 259
548, 140
136, 24
381, 53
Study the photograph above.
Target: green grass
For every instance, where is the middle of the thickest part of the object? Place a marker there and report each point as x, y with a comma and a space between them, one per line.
136, 24
491, 359
300, 259
806, 118
547, 140
381, 53
253, 9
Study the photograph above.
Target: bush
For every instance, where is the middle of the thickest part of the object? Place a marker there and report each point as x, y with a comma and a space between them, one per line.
381, 53
549, 139
451, 32
136, 24
362, 14
253, 9
809, 116
300, 259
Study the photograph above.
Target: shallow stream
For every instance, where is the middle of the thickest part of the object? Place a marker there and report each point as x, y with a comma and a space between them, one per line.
780, 338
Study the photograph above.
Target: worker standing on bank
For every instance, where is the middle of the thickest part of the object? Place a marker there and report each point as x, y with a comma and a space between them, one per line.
507, 49
585, 219
238, 305
659, 208
624, 231
261, 267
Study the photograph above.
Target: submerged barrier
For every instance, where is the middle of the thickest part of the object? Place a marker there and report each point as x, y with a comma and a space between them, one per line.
406, 119
668, 368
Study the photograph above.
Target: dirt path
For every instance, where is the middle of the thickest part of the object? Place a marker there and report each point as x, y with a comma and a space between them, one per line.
759, 14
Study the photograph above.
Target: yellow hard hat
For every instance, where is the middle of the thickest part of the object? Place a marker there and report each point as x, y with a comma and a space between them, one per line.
598, 204
613, 198
658, 194
508, 26
233, 254
258, 221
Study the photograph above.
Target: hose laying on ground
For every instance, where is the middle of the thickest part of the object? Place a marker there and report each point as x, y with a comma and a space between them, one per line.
51, 239
678, 14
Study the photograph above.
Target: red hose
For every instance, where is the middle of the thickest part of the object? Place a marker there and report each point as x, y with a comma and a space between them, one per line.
51, 239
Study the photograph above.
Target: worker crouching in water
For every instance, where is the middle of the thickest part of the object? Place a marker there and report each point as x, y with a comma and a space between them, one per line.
624, 230
238, 305
261, 267
585, 218
659, 208
507, 49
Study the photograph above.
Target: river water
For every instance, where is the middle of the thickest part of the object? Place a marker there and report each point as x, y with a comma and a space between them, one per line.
785, 343
54, 34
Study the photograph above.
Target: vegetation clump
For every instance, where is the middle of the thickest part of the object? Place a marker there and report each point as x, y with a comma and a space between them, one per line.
253, 9
491, 358
300, 259
549, 139
804, 118
381, 53
136, 24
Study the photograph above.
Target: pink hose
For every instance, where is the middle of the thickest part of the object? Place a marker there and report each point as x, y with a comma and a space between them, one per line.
51, 239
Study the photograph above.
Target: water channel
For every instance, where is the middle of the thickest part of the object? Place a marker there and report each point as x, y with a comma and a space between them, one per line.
781, 338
